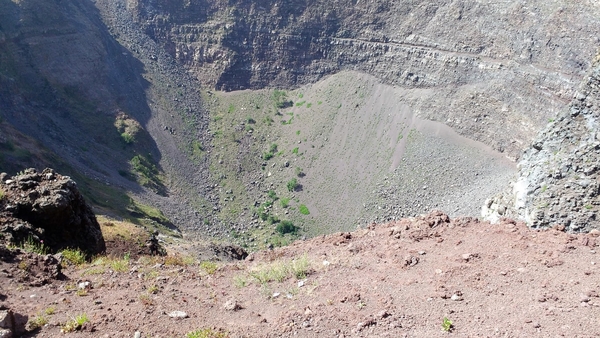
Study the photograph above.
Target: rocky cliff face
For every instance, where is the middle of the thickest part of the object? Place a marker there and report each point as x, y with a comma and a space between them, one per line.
500, 69
558, 181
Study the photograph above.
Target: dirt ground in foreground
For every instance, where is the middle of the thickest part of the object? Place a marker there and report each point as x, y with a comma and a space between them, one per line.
393, 280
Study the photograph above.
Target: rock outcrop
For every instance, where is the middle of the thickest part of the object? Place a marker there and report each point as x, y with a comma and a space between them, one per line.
47, 207
559, 175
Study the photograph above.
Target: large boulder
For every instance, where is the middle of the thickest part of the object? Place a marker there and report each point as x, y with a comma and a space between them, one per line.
47, 207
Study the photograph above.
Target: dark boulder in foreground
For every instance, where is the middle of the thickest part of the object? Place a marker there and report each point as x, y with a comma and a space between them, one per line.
47, 207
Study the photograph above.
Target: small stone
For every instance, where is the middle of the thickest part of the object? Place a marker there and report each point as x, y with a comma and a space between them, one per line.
84, 286
232, 305
276, 294
383, 314
6, 319
137, 334
456, 297
301, 283
178, 314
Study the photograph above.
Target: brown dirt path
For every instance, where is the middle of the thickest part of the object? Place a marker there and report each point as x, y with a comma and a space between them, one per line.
394, 280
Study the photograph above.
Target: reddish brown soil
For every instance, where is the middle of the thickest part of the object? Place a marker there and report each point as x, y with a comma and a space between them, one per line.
392, 280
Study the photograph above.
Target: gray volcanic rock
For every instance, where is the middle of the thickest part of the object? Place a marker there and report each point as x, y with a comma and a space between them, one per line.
48, 207
558, 181
499, 69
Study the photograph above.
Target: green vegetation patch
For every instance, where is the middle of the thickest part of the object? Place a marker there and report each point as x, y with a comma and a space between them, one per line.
209, 267
282, 270
148, 174
206, 333
447, 325
292, 185
74, 256
75, 324
303, 209
280, 99
127, 127
285, 202
267, 155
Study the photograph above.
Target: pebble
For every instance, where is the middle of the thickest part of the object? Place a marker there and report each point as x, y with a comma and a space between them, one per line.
84, 285
178, 314
137, 334
232, 305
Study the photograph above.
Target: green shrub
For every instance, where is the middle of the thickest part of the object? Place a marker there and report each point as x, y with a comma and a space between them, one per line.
127, 138
286, 227
295, 150
285, 202
273, 148
267, 156
447, 325
37, 322
74, 324
292, 185
33, 245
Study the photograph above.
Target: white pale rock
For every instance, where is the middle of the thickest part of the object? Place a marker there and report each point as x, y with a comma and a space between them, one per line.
178, 314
